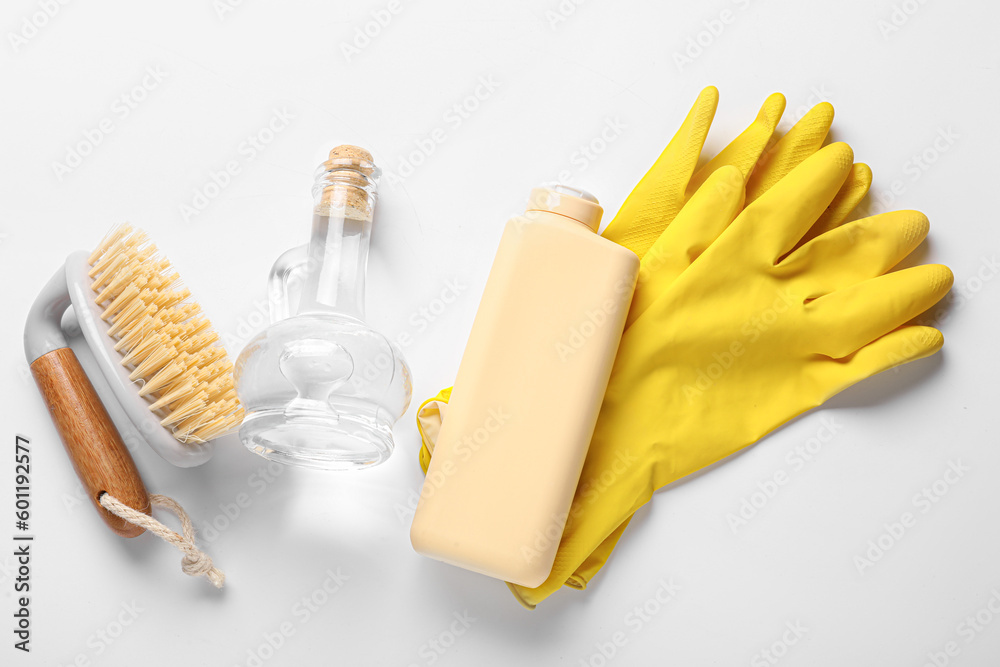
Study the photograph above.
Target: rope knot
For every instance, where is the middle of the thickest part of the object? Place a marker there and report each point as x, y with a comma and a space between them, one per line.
195, 562
200, 564
195, 565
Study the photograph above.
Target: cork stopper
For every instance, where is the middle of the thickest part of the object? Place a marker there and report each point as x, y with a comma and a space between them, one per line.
349, 178
347, 154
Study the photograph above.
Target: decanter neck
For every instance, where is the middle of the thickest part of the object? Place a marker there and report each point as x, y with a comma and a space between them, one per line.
344, 197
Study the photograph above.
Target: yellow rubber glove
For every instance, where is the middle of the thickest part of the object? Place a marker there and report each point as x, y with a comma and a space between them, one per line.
667, 186
744, 336
662, 193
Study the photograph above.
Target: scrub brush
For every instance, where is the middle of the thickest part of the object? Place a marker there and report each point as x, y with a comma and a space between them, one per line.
161, 358
166, 343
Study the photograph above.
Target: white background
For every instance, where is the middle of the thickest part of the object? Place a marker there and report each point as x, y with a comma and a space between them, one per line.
560, 83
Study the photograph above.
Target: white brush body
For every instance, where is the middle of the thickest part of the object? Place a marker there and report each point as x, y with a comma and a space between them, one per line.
95, 330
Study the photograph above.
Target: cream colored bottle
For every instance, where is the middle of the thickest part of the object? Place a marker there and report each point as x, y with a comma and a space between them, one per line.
530, 385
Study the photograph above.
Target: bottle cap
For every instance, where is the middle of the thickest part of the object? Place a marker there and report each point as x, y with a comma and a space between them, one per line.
566, 200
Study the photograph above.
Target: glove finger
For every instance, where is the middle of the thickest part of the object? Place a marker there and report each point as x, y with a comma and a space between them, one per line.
613, 485
530, 597
744, 151
596, 560
851, 318
805, 138
772, 225
854, 189
898, 347
430, 416
705, 216
856, 251
656, 199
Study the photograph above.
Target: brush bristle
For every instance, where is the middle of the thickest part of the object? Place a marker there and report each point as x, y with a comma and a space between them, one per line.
166, 343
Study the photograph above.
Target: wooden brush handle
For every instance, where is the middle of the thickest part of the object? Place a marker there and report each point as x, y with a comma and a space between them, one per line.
94, 446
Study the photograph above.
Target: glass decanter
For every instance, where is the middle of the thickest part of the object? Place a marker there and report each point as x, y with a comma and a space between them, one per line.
321, 388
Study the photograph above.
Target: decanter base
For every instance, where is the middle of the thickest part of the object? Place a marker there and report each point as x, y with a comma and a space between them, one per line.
309, 441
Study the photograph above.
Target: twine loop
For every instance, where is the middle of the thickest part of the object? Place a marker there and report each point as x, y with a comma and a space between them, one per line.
195, 562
